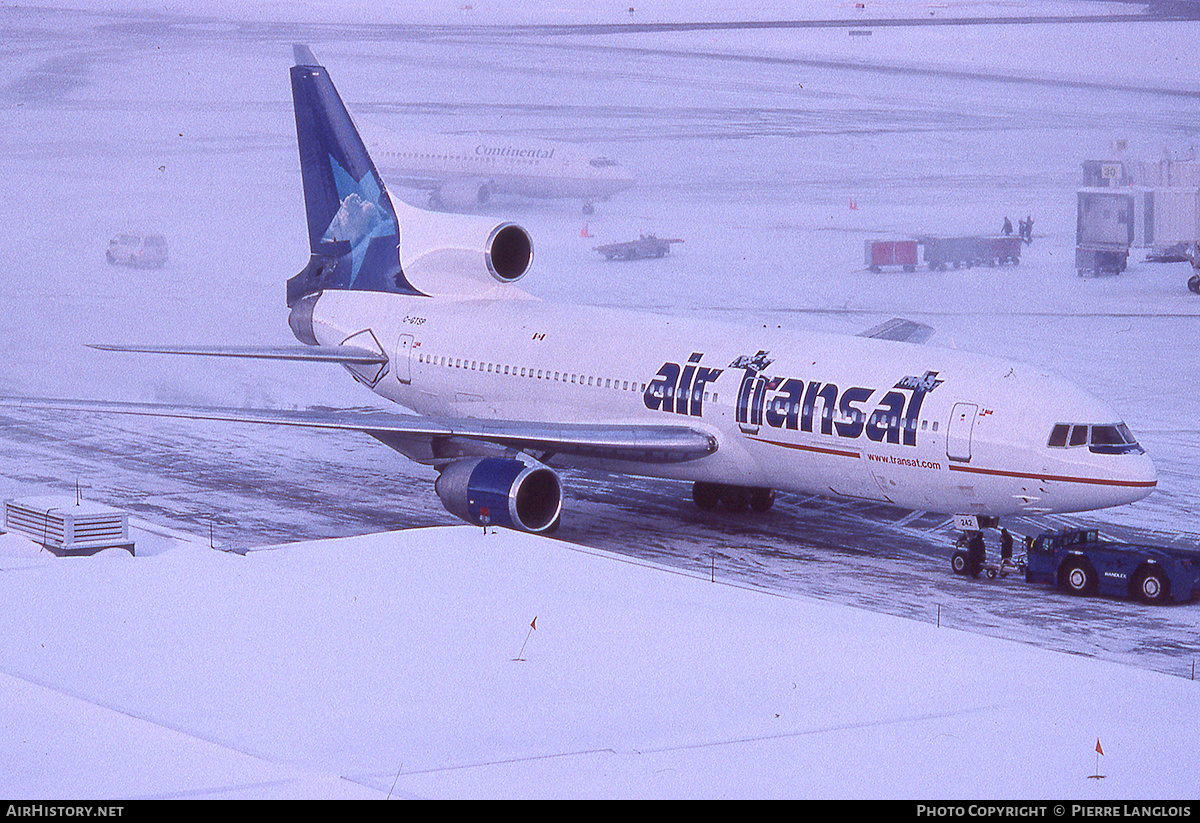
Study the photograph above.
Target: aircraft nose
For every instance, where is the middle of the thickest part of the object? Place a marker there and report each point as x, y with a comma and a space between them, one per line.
1141, 477
1132, 479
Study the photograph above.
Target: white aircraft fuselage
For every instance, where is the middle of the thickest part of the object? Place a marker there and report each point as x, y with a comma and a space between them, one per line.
920, 427
463, 172
423, 308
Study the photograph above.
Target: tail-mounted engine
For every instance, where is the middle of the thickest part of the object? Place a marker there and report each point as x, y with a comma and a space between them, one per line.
501, 492
460, 255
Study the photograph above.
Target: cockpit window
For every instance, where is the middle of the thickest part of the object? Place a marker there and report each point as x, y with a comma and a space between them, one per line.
1100, 439
1114, 440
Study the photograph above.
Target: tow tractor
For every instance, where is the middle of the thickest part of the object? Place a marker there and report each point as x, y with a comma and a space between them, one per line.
1080, 562
648, 245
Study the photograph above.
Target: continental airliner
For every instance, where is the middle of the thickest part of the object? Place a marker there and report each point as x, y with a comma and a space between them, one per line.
463, 172
424, 310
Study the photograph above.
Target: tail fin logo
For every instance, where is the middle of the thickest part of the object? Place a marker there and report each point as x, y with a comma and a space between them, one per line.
359, 219
353, 232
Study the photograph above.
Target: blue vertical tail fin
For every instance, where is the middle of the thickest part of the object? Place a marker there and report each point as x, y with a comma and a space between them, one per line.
353, 233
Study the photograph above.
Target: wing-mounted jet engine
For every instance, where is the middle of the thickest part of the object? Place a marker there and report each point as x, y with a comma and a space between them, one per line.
465, 193
500, 491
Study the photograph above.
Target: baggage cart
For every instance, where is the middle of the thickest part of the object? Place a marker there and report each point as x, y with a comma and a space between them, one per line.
880, 253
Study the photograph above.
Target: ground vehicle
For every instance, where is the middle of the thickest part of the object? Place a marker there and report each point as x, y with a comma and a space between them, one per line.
960, 560
648, 245
880, 253
137, 249
1078, 561
1104, 231
941, 252
1097, 258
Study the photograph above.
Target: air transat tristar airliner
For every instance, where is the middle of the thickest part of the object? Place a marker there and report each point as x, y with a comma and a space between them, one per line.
422, 309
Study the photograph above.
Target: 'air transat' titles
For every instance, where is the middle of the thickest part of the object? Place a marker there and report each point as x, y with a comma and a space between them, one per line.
792, 403
680, 392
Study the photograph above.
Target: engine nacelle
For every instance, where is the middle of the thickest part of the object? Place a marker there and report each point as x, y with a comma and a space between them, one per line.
460, 255
501, 492
461, 194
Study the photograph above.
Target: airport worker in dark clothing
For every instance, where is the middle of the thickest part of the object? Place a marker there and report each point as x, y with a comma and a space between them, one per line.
1007, 227
976, 554
1006, 547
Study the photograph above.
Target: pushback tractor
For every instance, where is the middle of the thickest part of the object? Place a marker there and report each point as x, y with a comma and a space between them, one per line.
1079, 562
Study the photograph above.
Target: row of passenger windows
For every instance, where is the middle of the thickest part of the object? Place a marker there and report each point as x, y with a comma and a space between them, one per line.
827, 412
478, 158
536, 374
1101, 439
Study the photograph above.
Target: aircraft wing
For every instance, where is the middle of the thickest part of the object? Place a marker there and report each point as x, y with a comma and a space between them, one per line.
430, 440
906, 331
347, 355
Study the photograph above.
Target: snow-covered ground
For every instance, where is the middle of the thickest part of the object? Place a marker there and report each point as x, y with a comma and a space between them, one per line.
448, 663
369, 665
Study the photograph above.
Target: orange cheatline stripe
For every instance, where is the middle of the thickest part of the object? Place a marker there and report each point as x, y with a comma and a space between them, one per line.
817, 449
1095, 481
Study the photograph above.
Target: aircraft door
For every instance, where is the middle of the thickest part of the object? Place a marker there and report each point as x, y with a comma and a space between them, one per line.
958, 434
404, 347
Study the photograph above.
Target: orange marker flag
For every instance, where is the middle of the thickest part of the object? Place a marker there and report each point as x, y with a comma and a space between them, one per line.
1099, 751
533, 625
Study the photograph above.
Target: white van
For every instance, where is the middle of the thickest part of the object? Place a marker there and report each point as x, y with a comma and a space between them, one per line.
140, 250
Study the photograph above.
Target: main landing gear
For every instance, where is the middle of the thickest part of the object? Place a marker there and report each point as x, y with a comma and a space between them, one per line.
732, 499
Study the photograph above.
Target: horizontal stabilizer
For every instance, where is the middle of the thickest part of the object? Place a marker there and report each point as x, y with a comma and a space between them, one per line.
614, 441
905, 331
347, 355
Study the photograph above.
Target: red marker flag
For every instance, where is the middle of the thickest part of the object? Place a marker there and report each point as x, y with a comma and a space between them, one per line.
1098, 749
532, 626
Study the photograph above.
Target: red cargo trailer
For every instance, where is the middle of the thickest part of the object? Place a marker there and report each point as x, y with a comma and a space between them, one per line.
880, 253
